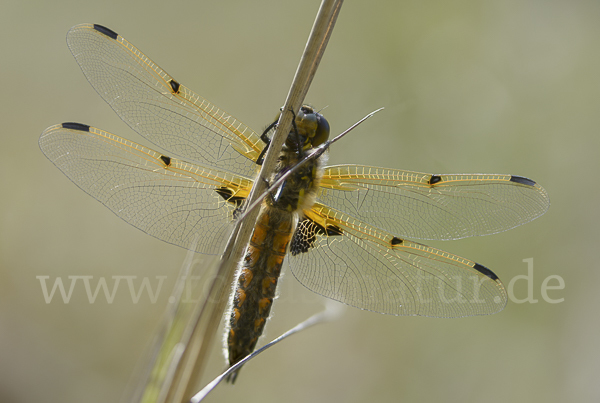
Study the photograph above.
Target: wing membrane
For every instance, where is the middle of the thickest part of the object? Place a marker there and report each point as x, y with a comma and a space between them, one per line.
158, 107
360, 265
424, 206
167, 198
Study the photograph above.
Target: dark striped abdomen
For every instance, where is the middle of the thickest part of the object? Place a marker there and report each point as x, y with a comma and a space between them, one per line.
257, 282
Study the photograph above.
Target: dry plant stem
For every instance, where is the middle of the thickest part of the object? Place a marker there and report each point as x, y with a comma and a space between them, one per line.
332, 311
210, 313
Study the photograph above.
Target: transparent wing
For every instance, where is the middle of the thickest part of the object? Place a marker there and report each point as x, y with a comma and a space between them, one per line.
340, 257
158, 107
424, 206
167, 198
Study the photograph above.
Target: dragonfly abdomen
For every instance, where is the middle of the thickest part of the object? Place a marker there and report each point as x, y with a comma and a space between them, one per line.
257, 281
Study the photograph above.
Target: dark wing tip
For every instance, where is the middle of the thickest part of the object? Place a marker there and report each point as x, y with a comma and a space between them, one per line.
522, 180
485, 271
106, 31
76, 126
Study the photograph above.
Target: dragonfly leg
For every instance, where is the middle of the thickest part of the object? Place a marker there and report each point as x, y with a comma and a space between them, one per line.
296, 132
267, 141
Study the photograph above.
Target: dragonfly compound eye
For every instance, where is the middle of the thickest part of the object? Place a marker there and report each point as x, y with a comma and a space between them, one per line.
322, 132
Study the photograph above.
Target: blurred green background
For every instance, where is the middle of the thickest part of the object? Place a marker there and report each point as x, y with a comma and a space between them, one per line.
468, 86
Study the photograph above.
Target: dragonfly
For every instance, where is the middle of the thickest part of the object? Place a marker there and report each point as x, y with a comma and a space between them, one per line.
346, 230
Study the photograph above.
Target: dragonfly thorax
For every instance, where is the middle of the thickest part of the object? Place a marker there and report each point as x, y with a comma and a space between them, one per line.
298, 192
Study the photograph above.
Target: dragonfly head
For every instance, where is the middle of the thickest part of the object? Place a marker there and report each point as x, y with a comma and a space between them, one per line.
313, 130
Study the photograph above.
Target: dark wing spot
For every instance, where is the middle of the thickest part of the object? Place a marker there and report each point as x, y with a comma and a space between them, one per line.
106, 31
174, 86
333, 230
76, 126
485, 271
396, 241
166, 160
227, 195
305, 236
522, 180
224, 192
435, 179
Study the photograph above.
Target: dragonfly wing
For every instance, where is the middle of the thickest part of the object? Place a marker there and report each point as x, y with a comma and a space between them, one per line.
167, 198
158, 107
340, 257
424, 206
